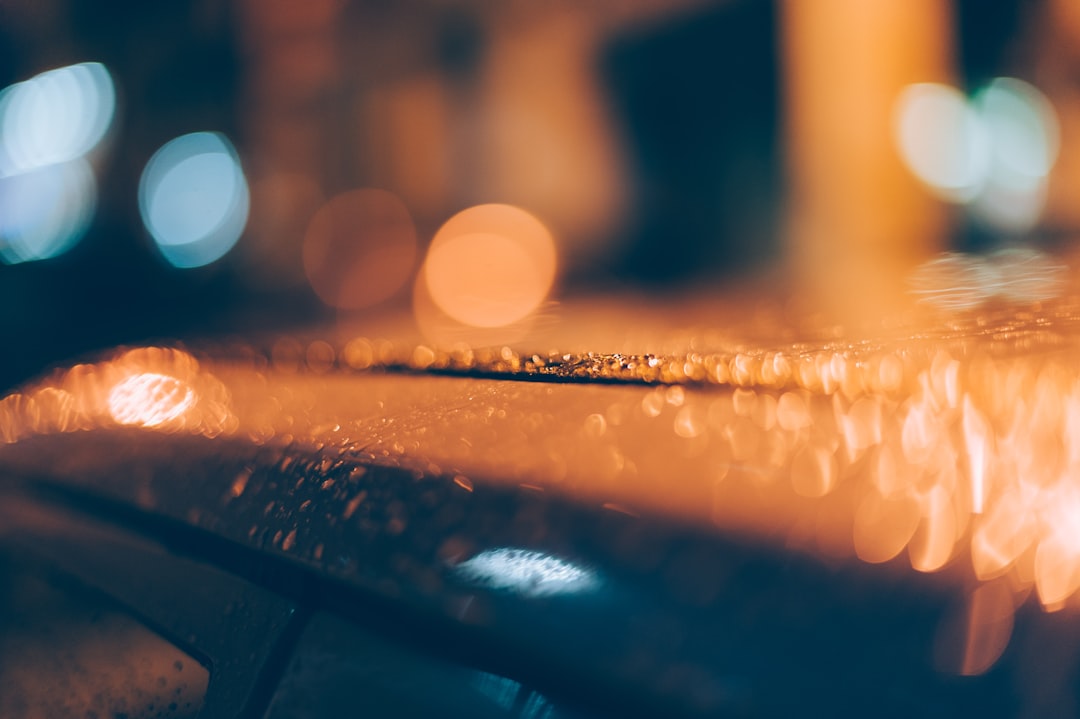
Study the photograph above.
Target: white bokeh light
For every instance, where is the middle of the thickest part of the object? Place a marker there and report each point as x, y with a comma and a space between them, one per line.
194, 199
1023, 127
55, 117
45, 211
48, 126
992, 153
1023, 133
942, 140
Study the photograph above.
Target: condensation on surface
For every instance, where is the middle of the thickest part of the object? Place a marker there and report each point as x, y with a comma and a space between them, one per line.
950, 449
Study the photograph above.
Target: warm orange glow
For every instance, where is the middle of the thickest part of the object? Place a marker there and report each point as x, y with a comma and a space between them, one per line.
360, 248
153, 388
884, 526
484, 280
858, 217
490, 266
442, 330
949, 447
150, 400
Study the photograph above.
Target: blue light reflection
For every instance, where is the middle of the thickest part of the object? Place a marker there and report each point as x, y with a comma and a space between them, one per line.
527, 572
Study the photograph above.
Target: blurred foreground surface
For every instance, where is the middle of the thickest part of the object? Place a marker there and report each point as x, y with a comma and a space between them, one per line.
711, 507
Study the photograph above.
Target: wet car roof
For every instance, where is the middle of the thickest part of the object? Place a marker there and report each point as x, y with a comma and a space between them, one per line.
667, 542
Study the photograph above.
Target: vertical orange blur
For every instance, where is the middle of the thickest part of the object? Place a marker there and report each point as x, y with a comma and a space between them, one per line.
857, 217
547, 142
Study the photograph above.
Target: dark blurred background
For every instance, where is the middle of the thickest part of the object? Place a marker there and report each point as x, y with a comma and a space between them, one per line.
665, 145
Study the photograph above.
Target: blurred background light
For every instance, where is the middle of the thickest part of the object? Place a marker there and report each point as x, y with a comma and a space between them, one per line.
282, 205
194, 199
45, 211
48, 193
55, 117
993, 153
942, 140
1023, 131
360, 248
1023, 127
490, 265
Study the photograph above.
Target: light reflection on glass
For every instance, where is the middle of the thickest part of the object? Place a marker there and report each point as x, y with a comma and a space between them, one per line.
193, 198
45, 211
55, 117
527, 572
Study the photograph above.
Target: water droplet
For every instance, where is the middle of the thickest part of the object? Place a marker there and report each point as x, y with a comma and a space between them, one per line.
595, 426
240, 483
883, 526
320, 357
689, 423
813, 471
353, 504
653, 404
743, 401
792, 412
